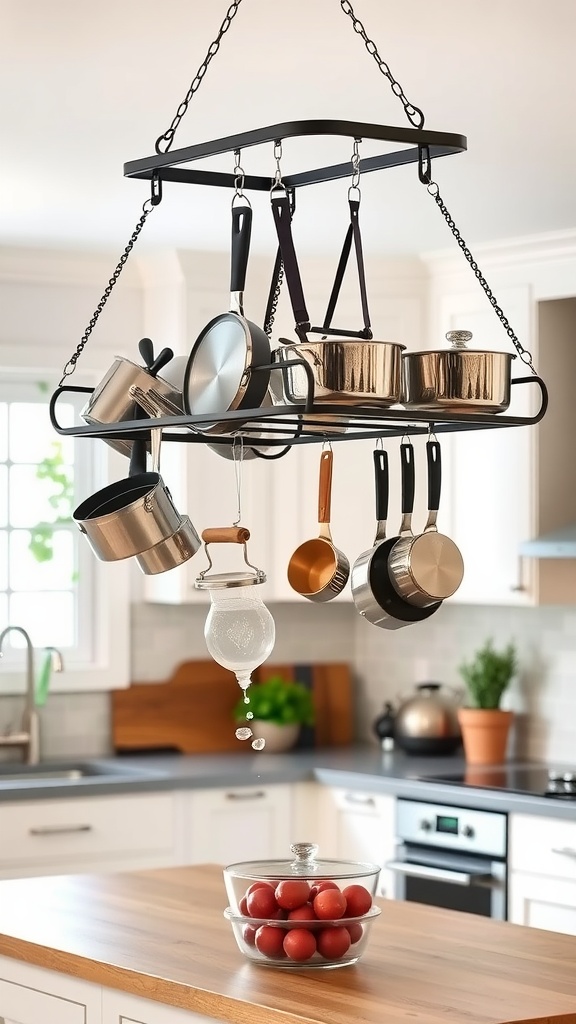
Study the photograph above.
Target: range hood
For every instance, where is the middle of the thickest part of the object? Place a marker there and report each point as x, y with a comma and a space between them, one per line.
558, 544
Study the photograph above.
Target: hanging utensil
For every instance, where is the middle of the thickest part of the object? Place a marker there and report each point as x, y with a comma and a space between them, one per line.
374, 595
427, 567
222, 372
317, 569
458, 379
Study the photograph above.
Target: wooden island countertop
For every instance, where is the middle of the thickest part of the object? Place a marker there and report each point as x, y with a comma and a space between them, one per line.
161, 934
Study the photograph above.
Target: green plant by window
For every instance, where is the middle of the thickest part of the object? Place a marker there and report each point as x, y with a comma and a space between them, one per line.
488, 675
62, 501
277, 700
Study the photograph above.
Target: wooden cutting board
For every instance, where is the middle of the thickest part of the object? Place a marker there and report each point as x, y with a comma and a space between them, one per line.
192, 710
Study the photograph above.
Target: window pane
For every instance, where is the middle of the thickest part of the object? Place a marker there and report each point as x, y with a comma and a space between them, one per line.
3, 431
48, 618
3, 495
3, 562
49, 566
33, 500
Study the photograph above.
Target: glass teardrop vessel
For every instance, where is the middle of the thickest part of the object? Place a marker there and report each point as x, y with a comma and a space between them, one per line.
239, 631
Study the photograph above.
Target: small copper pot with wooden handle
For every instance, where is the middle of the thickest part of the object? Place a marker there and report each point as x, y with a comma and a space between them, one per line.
317, 569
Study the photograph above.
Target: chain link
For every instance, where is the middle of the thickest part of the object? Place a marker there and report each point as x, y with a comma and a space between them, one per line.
413, 113
71, 364
167, 137
433, 190
274, 304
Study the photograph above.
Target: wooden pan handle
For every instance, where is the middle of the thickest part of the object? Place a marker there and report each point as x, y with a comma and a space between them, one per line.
226, 535
325, 486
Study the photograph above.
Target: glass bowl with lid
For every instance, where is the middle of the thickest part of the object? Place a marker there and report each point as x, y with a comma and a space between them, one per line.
303, 912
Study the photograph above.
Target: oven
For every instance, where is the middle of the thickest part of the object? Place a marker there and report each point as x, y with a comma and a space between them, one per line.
451, 857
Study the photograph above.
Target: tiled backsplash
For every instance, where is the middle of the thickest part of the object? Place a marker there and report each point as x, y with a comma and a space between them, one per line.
386, 665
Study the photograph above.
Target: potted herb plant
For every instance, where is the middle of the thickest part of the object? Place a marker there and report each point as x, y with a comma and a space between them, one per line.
279, 708
484, 725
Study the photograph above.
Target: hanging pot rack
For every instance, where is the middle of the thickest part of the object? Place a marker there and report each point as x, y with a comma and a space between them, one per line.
281, 426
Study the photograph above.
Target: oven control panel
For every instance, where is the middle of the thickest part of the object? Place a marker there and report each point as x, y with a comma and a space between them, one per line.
456, 828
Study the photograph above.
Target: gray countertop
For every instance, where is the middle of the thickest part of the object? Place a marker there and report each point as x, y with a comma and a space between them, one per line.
360, 767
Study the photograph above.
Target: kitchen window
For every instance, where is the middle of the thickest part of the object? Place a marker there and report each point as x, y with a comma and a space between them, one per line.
50, 583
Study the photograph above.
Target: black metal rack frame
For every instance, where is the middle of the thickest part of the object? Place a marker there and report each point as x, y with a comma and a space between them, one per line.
167, 166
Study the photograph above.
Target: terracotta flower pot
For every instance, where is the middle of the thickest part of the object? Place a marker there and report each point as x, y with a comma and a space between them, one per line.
278, 737
485, 734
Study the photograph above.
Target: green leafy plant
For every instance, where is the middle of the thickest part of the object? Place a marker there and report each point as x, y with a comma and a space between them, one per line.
277, 700
62, 500
488, 674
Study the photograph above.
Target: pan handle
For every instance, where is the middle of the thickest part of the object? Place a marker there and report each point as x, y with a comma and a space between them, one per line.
226, 535
434, 459
325, 486
408, 485
382, 488
241, 234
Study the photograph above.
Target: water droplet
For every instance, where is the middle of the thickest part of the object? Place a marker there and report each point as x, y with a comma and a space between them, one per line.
246, 699
258, 744
249, 715
244, 734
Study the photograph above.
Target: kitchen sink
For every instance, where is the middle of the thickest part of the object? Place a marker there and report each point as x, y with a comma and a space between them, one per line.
69, 772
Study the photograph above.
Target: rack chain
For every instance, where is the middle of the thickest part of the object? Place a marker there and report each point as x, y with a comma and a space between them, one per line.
413, 113
167, 137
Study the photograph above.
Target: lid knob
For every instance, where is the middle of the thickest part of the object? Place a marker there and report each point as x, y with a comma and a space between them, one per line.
459, 339
304, 856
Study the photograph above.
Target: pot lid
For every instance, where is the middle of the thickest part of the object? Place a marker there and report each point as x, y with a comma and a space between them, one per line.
302, 865
226, 580
459, 343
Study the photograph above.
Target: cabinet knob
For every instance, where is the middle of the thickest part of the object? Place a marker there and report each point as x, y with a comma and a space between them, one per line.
468, 832
425, 825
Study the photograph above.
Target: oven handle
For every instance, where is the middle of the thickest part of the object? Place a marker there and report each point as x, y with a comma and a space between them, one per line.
438, 874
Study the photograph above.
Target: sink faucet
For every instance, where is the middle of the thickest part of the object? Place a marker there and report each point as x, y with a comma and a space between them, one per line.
28, 738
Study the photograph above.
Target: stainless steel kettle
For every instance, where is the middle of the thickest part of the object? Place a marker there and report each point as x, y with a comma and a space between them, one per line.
427, 723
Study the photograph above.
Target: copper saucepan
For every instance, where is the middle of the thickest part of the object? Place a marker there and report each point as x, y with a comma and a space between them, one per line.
457, 379
317, 569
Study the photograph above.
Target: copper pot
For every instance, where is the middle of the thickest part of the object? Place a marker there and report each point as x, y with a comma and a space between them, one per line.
346, 371
457, 379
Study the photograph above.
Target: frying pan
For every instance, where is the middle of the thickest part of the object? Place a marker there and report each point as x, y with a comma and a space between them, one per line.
317, 569
374, 595
219, 375
427, 567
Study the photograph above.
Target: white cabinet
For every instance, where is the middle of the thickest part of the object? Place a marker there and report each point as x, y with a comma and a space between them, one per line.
236, 823
504, 486
32, 995
100, 833
358, 825
542, 881
119, 1008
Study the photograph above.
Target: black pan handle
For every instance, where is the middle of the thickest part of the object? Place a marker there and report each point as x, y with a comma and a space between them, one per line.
381, 484
408, 479
434, 475
241, 234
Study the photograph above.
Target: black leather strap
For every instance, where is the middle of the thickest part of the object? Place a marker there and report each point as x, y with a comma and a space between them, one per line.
352, 234
282, 218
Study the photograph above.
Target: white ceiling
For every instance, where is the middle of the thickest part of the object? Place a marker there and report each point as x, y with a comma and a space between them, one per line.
86, 87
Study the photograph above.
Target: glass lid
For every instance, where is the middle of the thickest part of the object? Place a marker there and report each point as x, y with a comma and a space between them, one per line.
304, 864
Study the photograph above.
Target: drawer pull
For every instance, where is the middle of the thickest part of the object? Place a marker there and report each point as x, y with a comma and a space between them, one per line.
362, 801
565, 851
58, 830
255, 794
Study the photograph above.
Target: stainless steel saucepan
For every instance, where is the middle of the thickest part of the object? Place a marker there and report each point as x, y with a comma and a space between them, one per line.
458, 379
346, 371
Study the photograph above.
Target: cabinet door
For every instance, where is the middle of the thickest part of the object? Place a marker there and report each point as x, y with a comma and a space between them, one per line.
222, 826
356, 825
542, 902
32, 995
120, 1008
488, 503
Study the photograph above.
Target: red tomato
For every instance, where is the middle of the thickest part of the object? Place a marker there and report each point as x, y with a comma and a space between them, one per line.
355, 931
329, 904
299, 944
258, 885
268, 941
303, 913
243, 907
249, 934
319, 887
292, 893
261, 903
333, 943
358, 900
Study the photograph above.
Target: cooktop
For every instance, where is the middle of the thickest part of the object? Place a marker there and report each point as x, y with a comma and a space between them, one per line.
533, 779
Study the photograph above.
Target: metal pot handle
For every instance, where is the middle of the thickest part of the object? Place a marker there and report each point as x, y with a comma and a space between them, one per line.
382, 487
434, 459
408, 487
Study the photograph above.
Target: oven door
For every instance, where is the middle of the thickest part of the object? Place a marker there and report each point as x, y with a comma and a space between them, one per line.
455, 881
